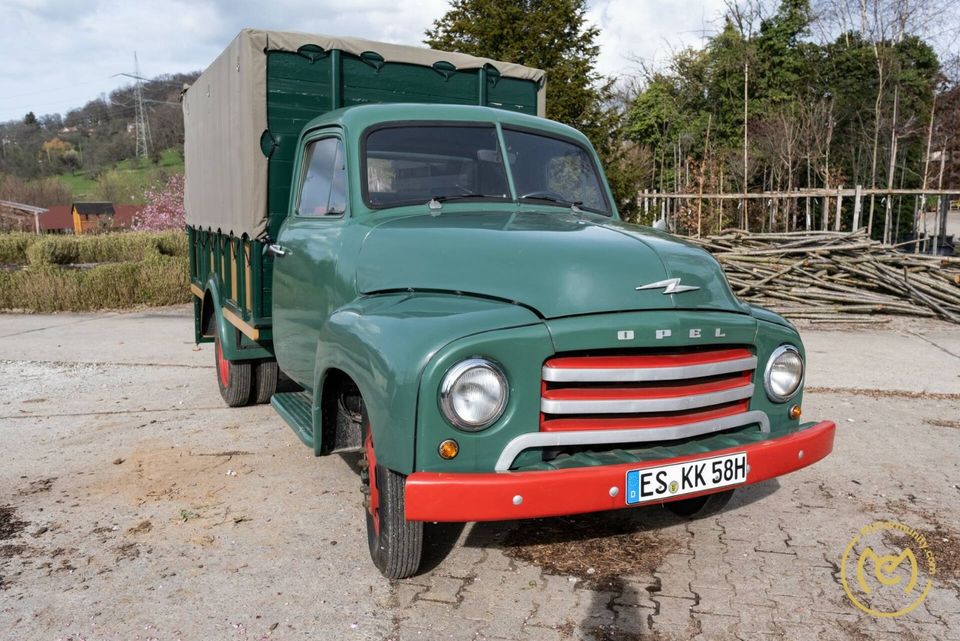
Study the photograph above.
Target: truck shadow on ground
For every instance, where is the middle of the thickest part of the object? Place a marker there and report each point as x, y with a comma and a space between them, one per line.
612, 556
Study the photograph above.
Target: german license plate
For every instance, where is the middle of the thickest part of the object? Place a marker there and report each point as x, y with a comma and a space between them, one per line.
667, 481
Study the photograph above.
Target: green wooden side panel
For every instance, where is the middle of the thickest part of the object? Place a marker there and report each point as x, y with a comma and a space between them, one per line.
302, 86
230, 262
397, 82
513, 94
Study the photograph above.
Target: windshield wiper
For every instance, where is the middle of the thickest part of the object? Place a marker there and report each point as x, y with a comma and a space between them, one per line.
449, 197
435, 202
573, 204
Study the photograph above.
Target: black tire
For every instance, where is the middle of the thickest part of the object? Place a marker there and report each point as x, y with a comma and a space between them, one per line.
395, 543
700, 506
233, 378
265, 375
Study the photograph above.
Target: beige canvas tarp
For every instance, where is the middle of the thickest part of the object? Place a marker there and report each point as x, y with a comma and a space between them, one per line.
225, 113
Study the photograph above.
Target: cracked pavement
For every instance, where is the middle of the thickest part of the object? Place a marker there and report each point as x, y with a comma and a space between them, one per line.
138, 507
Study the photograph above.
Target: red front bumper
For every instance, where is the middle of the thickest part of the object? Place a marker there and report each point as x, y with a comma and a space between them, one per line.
439, 496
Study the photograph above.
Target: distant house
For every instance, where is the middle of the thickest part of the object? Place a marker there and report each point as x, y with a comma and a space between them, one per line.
57, 220
124, 215
78, 218
92, 218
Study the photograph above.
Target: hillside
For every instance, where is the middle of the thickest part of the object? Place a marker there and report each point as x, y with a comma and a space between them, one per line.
90, 152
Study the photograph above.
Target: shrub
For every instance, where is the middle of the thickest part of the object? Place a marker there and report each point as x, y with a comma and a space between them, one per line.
156, 280
106, 248
139, 268
13, 247
54, 251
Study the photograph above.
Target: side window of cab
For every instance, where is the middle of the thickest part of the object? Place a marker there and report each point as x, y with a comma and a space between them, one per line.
323, 191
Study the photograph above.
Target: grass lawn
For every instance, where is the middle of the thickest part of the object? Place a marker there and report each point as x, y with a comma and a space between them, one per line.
136, 174
81, 184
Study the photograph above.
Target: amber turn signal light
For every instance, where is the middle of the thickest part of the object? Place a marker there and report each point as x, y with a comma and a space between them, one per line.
795, 412
448, 449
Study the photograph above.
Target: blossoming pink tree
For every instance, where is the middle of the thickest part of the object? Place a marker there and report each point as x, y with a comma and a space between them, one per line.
164, 208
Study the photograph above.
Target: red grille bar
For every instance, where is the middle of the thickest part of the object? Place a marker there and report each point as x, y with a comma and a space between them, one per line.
648, 360
639, 422
682, 388
636, 391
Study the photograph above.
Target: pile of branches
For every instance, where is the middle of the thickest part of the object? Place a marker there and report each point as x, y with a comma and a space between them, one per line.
835, 276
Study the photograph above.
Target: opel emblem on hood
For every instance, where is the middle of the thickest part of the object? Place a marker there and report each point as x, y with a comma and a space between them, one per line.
670, 286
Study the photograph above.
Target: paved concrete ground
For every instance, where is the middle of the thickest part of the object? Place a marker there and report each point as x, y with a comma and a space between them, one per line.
133, 505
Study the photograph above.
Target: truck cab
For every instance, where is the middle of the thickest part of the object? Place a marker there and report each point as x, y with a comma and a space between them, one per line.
456, 299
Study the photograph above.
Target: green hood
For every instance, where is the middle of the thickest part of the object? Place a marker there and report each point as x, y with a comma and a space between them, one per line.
559, 264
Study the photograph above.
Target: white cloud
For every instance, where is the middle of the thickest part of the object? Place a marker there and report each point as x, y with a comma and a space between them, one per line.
648, 31
58, 54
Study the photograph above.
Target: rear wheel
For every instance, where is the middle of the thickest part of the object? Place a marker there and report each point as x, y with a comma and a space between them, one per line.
233, 378
700, 506
264, 381
396, 544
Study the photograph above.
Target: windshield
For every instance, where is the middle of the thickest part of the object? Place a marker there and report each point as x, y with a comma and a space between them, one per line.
415, 164
554, 170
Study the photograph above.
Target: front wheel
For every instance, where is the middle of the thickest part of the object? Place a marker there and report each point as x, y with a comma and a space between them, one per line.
396, 544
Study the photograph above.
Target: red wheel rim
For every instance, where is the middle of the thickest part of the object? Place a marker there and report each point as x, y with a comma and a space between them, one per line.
223, 366
373, 507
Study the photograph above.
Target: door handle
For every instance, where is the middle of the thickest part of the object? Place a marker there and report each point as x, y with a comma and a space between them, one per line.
278, 250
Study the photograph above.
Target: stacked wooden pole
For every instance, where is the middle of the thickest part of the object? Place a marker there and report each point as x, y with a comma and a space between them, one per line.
835, 277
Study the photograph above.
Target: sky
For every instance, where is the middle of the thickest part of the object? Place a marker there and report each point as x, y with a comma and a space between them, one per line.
58, 54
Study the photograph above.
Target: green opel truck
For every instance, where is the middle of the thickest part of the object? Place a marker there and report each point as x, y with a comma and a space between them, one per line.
442, 275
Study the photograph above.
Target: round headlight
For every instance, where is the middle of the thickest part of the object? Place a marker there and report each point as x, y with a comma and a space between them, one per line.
473, 394
784, 373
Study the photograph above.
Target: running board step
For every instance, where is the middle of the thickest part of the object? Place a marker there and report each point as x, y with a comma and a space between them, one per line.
296, 408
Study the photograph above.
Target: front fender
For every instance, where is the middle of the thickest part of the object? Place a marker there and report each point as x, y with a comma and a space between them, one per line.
384, 342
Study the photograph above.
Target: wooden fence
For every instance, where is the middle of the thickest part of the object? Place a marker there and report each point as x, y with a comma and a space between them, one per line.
667, 206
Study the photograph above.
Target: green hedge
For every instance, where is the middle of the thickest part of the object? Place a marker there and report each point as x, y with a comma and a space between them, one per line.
105, 248
13, 247
155, 280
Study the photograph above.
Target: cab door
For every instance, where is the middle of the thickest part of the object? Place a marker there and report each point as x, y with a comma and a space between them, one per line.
305, 254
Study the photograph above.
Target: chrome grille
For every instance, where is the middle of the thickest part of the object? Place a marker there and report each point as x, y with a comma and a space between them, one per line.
645, 390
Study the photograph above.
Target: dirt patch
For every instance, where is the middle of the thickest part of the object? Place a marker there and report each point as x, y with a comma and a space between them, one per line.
127, 552
614, 633
942, 422
141, 528
944, 542
853, 631
10, 551
37, 487
158, 472
10, 525
597, 549
883, 393
943, 539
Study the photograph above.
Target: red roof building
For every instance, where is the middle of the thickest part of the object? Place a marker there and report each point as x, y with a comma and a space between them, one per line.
59, 218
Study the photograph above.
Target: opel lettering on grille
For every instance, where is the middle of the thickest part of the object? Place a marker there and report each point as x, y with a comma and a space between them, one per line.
694, 332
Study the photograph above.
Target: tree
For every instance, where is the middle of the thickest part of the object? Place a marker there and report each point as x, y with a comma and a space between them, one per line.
164, 208
547, 34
